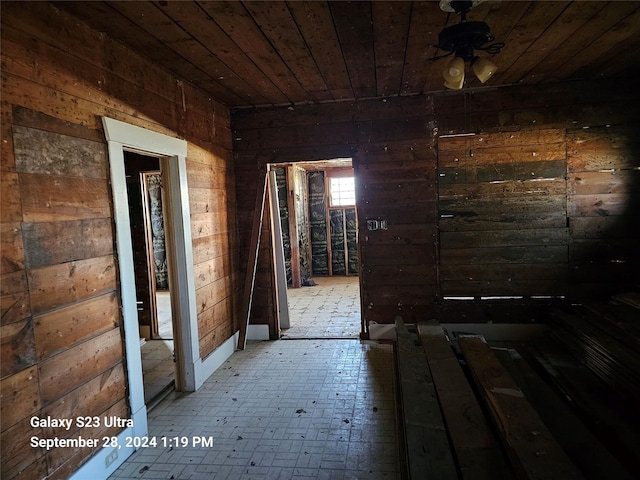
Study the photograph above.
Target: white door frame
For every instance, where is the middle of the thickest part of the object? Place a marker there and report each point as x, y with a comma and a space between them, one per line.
120, 137
193, 371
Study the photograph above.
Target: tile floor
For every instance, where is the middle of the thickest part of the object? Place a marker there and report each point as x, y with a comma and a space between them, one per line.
158, 367
297, 409
311, 407
329, 309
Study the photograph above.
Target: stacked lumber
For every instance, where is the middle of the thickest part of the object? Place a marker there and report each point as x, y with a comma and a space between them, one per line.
606, 339
427, 452
531, 447
476, 449
470, 427
598, 406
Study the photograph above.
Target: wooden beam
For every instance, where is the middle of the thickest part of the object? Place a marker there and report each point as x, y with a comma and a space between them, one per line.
252, 262
534, 452
477, 451
427, 447
294, 239
280, 272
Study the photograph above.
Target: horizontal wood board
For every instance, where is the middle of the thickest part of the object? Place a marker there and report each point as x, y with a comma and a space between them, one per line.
495, 191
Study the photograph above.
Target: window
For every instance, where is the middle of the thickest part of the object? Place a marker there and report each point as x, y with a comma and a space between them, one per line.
342, 191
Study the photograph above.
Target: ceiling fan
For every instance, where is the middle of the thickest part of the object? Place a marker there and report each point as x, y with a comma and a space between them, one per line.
461, 40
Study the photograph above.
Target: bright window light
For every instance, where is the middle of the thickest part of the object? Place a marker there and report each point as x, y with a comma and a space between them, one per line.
342, 191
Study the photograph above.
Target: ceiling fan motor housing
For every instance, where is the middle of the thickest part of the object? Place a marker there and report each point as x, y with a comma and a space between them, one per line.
463, 38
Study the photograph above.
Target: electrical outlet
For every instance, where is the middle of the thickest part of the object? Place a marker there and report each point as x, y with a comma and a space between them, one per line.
112, 457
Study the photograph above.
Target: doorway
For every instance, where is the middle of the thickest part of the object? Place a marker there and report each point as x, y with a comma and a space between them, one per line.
190, 369
153, 296
317, 210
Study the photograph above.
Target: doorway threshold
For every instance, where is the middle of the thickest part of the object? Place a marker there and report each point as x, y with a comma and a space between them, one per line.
160, 395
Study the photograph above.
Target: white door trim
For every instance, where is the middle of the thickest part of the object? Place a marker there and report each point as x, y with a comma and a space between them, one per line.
120, 137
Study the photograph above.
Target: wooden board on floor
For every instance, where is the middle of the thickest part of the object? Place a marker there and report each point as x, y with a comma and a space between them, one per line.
427, 446
583, 447
533, 450
598, 405
478, 453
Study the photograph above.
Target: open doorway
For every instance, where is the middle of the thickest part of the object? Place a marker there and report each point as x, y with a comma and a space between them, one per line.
153, 296
319, 238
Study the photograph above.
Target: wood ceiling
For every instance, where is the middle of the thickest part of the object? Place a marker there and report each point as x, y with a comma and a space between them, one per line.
258, 53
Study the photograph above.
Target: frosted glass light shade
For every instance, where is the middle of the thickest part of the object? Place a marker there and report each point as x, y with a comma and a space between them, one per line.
455, 84
484, 69
454, 74
454, 70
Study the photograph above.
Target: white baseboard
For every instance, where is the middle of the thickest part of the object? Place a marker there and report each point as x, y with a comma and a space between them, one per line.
217, 358
96, 468
258, 332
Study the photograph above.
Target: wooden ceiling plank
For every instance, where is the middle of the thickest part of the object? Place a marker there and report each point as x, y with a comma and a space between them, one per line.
391, 22
568, 22
105, 18
316, 26
239, 25
351, 49
621, 59
533, 23
602, 43
197, 22
150, 18
427, 20
353, 23
598, 25
503, 17
277, 24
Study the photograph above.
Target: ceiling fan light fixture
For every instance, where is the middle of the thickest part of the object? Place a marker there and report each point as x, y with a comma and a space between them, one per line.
484, 69
454, 70
455, 84
461, 40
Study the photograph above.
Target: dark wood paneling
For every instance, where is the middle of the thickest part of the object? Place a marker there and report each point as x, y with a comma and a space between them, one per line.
59, 155
502, 202
59, 328
508, 200
49, 198
23, 389
12, 256
603, 186
10, 197
61, 373
52, 243
59, 78
17, 347
66, 283
15, 304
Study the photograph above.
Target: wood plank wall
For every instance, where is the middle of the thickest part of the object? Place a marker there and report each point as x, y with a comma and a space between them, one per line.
393, 153
393, 143
62, 350
502, 214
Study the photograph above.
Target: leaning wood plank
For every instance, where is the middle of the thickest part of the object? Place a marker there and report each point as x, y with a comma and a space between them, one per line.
427, 446
588, 451
252, 263
534, 452
478, 453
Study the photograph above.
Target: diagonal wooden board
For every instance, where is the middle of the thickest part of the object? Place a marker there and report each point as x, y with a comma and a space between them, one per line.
427, 446
252, 262
534, 452
477, 450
